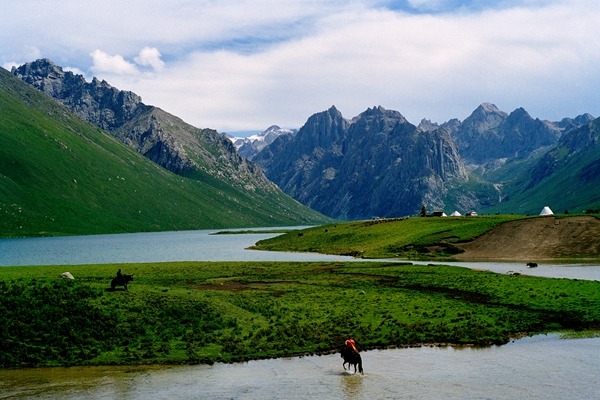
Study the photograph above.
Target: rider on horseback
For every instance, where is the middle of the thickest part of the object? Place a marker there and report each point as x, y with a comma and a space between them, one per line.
351, 356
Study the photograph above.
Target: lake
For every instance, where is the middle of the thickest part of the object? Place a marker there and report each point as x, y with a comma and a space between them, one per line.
204, 245
201, 245
539, 367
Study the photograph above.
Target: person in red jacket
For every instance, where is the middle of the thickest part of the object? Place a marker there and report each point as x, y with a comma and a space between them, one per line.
351, 345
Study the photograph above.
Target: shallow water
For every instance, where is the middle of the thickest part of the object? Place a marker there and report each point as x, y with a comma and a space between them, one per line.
588, 271
539, 367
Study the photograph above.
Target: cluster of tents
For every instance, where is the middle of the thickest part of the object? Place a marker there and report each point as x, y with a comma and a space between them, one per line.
545, 211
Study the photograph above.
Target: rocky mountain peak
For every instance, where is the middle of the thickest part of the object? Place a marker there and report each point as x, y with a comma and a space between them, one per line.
380, 112
488, 108
581, 138
44, 75
97, 102
322, 129
485, 117
566, 124
427, 126
517, 115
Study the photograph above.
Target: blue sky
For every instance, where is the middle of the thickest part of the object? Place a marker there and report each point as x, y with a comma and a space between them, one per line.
245, 65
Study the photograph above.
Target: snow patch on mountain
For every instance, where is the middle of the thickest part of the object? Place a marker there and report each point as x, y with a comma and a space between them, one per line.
249, 146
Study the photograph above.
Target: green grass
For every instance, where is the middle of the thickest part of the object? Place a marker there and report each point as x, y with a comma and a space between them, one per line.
202, 312
406, 238
60, 175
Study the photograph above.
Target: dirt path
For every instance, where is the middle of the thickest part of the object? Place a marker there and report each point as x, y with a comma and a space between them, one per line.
543, 238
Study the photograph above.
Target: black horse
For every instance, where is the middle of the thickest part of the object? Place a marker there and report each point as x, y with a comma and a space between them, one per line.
532, 265
351, 357
122, 280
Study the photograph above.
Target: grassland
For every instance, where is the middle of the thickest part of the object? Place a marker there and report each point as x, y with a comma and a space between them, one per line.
205, 312
385, 238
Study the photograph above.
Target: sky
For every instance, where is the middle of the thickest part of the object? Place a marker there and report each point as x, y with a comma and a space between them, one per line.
244, 65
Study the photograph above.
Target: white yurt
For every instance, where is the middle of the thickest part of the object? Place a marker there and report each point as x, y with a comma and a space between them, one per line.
546, 211
456, 214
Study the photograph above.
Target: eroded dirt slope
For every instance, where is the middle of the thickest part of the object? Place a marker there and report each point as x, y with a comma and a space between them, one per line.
535, 239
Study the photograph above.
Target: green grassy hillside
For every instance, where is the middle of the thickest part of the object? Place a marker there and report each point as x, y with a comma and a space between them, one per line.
566, 179
60, 175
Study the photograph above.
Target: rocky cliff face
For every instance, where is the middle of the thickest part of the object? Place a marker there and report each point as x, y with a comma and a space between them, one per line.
574, 145
97, 102
489, 135
376, 165
158, 135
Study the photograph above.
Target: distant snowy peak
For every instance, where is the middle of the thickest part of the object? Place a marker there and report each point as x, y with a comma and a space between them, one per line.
249, 146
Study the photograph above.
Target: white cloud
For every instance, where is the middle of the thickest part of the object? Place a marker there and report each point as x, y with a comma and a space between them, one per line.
150, 56
10, 64
105, 63
74, 70
248, 64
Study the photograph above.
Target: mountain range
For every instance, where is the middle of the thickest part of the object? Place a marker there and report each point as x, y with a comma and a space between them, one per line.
380, 165
376, 164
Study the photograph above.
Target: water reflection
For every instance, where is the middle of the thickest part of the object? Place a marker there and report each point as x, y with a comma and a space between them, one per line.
540, 367
352, 385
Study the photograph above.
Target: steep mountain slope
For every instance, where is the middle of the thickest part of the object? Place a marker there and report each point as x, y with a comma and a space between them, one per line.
61, 175
566, 177
163, 138
378, 164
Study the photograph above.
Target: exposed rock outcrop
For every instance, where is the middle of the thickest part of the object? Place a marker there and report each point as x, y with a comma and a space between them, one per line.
376, 165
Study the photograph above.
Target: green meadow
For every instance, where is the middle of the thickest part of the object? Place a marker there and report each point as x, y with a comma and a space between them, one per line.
205, 312
385, 238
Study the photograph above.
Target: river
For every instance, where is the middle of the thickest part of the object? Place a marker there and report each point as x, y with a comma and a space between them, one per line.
539, 367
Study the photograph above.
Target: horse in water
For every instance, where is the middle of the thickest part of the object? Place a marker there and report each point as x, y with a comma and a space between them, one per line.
351, 357
122, 280
531, 265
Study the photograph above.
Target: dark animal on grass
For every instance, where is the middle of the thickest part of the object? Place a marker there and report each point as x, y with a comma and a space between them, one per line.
352, 358
531, 264
122, 280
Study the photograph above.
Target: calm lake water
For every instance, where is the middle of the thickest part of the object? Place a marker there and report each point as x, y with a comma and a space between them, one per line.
144, 247
540, 367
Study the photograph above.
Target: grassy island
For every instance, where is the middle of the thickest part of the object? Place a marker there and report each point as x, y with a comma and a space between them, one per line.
491, 237
203, 312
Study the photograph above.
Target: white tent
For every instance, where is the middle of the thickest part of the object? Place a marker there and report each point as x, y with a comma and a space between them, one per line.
455, 214
546, 211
